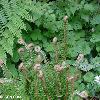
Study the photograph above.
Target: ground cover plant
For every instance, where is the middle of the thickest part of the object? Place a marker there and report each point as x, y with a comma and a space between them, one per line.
50, 49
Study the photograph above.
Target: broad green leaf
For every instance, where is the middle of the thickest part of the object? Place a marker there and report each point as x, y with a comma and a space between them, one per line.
88, 77
81, 87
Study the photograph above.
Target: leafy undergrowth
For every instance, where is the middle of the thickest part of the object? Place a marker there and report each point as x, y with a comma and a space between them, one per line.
75, 49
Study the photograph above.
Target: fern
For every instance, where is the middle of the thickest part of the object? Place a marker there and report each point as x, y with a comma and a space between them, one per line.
13, 14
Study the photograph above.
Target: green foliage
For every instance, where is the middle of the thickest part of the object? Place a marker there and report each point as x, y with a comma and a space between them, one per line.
39, 22
88, 77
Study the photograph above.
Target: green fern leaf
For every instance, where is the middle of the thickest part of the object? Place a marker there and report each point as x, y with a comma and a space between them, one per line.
36, 35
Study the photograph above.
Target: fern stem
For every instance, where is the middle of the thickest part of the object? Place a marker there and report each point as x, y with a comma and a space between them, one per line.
67, 82
72, 88
65, 38
56, 53
36, 89
64, 56
45, 88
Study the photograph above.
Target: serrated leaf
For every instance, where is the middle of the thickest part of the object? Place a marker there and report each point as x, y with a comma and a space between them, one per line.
73, 9
81, 87
48, 47
95, 20
77, 25
89, 7
79, 35
78, 47
85, 17
7, 45
95, 37
69, 27
88, 77
36, 35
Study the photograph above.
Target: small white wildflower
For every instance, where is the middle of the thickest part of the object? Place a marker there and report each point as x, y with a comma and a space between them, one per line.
97, 79
37, 49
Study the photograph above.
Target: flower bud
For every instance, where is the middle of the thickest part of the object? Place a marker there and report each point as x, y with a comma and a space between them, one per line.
21, 67
37, 67
30, 46
65, 18
37, 49
40, 75
38, 59
21, 50
58, 68
1, 62
21, 41
55, 40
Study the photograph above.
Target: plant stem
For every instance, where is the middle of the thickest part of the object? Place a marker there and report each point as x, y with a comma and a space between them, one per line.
36, 89
65, 39
56, 53
67, 75
72, 88
45, 88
